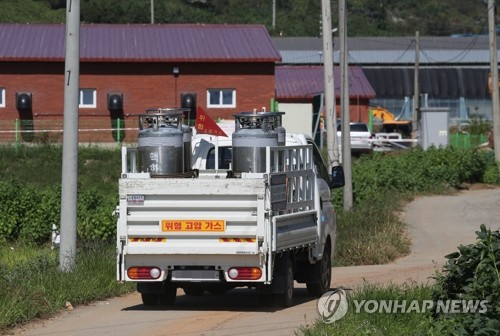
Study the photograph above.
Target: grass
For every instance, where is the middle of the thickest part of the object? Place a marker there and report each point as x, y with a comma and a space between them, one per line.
40, 166
371, 234
378, 323
45, 290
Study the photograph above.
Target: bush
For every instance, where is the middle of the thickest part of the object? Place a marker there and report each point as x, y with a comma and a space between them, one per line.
28, 214
28, 209
417, 171
472, 273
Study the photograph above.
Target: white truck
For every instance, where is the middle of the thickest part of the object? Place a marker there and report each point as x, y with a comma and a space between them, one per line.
259, 214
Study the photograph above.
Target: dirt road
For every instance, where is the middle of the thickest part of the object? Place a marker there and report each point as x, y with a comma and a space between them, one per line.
437, 225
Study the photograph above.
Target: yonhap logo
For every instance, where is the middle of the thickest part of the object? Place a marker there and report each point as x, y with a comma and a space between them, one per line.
332, 306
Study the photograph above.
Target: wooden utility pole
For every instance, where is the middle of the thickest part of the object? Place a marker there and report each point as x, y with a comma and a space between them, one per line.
416, 89
345, 109
495, 99
331, 116
67, 248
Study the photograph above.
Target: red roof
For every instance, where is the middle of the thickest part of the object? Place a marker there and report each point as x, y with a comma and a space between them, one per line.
140, 43
298, 82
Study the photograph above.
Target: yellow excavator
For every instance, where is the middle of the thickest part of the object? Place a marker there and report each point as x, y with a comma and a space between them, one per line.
390, 123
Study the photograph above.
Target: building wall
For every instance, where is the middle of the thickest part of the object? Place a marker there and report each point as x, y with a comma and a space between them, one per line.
143, 85
297, 118
359, 110
301, 111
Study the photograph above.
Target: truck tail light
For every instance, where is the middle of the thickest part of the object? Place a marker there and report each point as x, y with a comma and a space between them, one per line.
245, 273
150, 273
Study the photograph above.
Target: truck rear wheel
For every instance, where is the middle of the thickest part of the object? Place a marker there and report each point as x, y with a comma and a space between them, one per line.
167, 298
323, 275
149, 299
286, 298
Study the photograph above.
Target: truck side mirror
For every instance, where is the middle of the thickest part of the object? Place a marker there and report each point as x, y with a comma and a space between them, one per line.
337, 180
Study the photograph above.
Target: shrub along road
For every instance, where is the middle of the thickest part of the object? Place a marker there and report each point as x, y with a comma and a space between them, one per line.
437, 225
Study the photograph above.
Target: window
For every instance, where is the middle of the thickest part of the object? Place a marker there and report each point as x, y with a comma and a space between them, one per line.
2, 97
221, 98
319, 163
225, 157
87, 98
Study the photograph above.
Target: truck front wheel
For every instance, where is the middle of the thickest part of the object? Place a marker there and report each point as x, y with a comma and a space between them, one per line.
322, 272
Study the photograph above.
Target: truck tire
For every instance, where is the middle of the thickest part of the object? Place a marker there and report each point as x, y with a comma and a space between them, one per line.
285, 299
167, 298
149, 299
323, 272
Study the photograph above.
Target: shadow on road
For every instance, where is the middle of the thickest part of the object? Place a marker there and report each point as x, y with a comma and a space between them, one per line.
238, 299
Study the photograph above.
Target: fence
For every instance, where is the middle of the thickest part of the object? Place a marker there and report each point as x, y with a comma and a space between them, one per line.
105, 130
22, 131
466, 140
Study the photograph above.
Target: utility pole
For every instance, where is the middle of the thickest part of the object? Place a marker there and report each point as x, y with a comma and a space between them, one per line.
331, 115
152, 11
274, 15
495, 99
345, 109
416, 89
67, 251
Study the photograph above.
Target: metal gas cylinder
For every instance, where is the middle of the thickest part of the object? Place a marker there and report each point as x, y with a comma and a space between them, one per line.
161, 142
254, 131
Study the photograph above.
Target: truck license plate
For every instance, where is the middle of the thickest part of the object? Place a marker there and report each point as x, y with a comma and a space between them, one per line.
194, 225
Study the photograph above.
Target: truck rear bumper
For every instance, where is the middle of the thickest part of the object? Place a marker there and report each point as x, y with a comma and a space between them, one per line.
190, 268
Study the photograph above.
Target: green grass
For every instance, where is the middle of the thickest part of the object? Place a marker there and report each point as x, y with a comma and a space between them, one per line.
378, 323
40, 166
371, 234
44, 289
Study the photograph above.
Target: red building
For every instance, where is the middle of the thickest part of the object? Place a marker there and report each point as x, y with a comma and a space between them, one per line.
300, 84
125, 69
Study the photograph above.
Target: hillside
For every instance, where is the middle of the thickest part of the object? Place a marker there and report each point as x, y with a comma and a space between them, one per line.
293, 17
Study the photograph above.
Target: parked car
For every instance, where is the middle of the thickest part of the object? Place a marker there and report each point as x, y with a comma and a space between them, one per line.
361, 137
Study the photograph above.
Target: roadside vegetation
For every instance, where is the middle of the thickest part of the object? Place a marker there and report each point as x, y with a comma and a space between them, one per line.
374, 233
379, 324
31, 286
29, 205
471, 275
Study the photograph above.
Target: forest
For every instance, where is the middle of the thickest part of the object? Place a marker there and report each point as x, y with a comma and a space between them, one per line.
293, 18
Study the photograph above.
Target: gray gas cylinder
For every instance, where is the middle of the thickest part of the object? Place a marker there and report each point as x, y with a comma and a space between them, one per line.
160, 142
254, 131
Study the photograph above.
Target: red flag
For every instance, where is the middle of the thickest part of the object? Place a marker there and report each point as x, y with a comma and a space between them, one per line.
206, 125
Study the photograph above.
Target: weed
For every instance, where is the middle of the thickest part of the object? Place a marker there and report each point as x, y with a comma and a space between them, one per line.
472, 273
361, 322
45, 289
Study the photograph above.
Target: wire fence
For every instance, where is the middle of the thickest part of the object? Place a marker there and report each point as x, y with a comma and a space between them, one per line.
22, 131
118, 131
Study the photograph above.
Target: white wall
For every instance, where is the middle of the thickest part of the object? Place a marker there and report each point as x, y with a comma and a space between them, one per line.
297, 118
